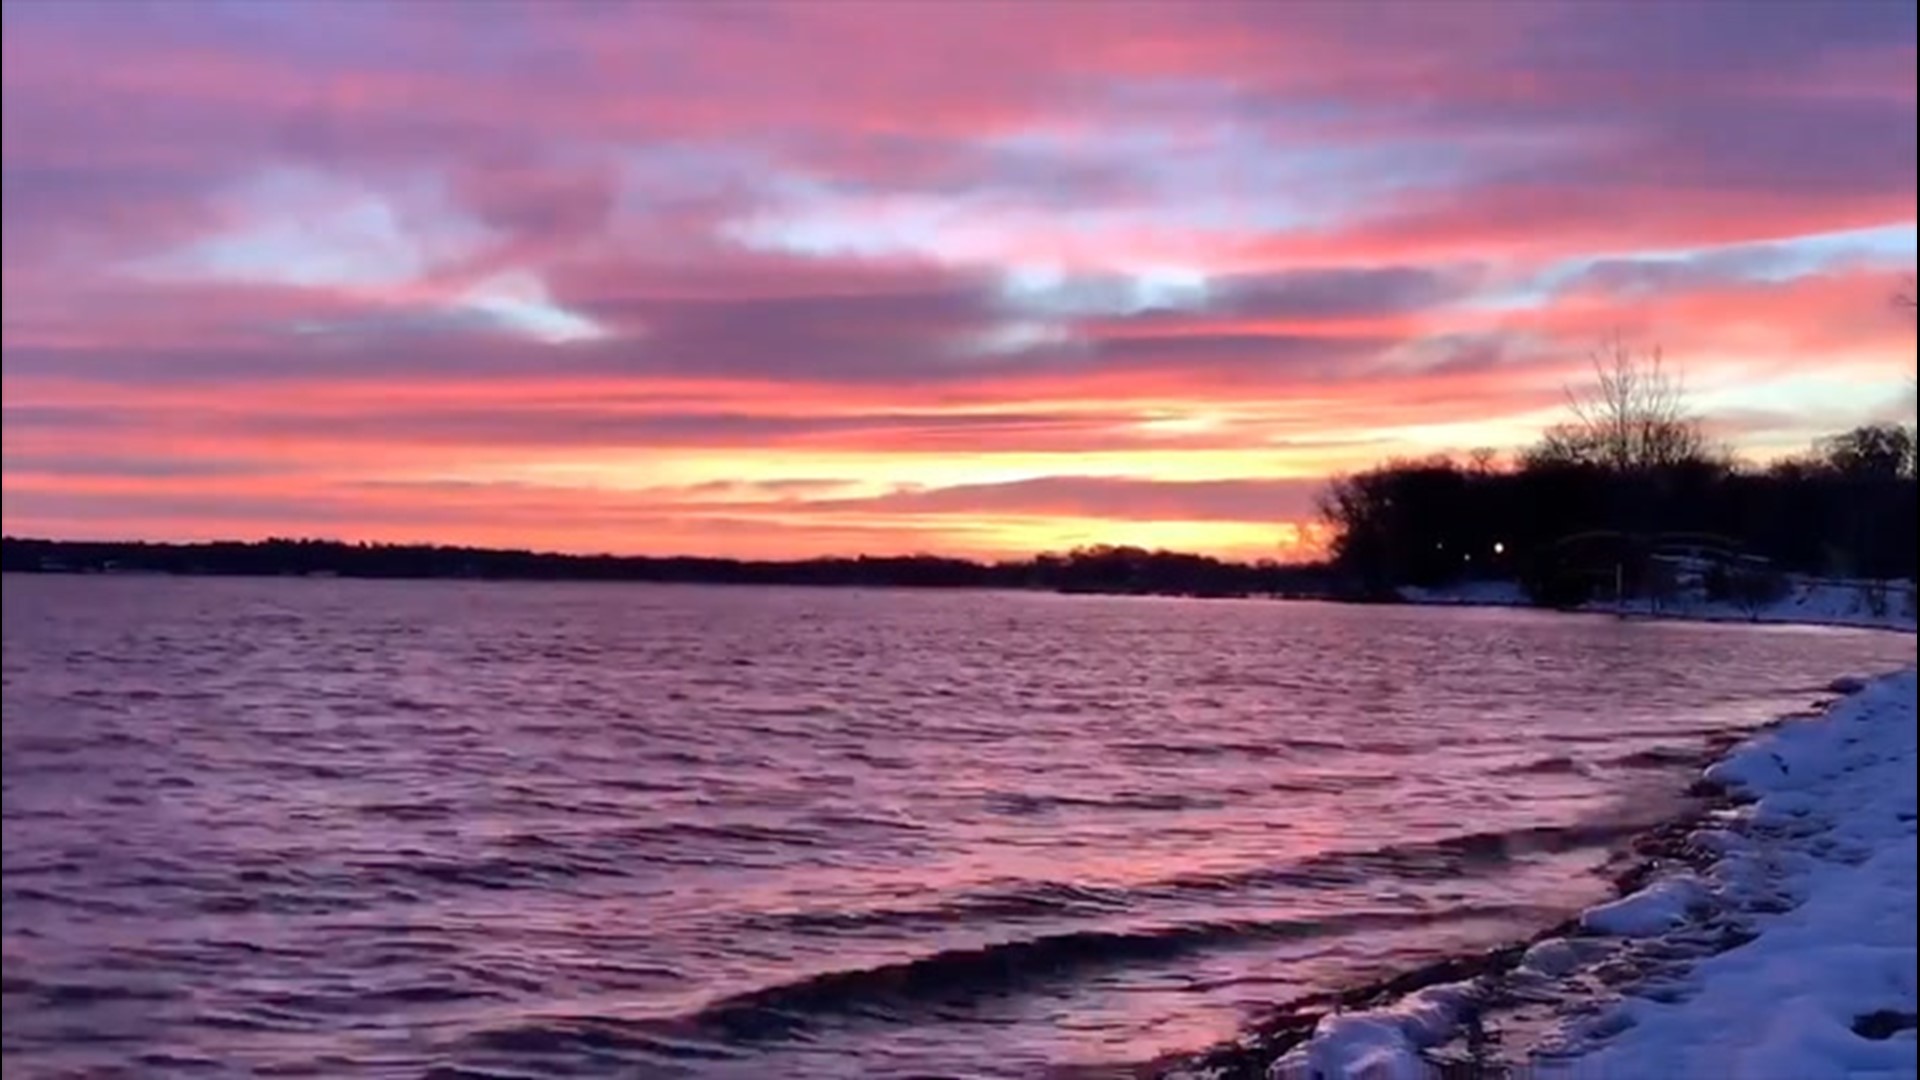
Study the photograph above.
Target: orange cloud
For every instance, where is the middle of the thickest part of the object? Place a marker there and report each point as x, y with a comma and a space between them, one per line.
786, 279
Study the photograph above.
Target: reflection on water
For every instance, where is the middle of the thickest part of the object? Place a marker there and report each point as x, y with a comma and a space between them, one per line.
383, 828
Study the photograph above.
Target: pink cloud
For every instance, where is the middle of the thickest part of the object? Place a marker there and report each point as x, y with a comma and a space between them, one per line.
274, 257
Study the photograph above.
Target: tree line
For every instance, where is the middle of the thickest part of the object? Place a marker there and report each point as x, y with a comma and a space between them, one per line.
1097, 569
1628, 485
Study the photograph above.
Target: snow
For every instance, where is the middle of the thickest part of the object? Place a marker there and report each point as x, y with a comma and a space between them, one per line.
1832, 835
1554, 956
1468, 594
1665, 905
1817, 875
1885, 605
1379, 1044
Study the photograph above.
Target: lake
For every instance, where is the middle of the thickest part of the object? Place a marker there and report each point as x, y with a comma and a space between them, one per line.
404, 829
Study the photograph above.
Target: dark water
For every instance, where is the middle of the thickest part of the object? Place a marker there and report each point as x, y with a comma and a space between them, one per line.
345, 829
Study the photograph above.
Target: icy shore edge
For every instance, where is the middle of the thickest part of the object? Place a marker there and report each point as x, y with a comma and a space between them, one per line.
1771, 937
1789, 954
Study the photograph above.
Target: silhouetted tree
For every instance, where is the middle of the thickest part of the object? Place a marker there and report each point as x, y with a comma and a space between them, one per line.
1555, 524
1634, 415
1871, 452
1564, 445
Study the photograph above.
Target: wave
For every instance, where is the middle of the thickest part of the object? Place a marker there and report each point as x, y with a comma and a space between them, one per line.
1446, 858
59, 994
1652, 757
1021, 804
1332, 783
1556, 765
463, 1072
961, 976
1038, 900
601, 1038
1289, 746
725, 832
1659, 756
1450, 857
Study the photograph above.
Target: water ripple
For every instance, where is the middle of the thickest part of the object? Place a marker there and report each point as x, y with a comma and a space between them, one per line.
505, 831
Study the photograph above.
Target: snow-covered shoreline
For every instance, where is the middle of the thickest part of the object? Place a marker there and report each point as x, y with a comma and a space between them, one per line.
1786, 951
1820, 868
1868, 605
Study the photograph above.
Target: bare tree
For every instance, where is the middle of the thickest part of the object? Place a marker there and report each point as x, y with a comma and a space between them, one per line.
1634, 416
1632, 421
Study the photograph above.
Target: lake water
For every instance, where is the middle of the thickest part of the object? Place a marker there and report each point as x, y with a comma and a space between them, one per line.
404, 829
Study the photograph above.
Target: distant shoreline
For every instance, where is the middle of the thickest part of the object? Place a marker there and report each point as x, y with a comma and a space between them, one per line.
1096, 570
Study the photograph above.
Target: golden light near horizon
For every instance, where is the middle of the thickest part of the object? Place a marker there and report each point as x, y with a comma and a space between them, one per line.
1105, 302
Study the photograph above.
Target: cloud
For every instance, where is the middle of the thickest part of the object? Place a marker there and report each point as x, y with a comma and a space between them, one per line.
1108, 498
733, 241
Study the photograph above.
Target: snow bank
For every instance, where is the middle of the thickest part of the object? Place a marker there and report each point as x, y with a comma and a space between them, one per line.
1379, 1044
1882, 605
1808, 601
1826, 987
1665, 905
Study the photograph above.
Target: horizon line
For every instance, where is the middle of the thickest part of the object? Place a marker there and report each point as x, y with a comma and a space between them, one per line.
683, 556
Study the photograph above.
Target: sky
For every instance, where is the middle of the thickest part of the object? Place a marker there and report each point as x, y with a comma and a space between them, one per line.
967, 277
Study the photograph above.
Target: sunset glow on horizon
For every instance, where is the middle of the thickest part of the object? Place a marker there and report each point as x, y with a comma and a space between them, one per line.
882, 276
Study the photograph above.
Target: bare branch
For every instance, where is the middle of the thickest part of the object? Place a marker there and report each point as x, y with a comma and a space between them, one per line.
1634, 415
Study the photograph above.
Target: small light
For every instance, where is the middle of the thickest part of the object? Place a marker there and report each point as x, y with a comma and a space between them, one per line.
1499, 548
